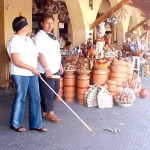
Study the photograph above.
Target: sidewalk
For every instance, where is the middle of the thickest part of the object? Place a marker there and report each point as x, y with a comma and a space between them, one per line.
131, 126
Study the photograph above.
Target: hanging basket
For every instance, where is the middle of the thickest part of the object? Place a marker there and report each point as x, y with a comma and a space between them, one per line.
112, 21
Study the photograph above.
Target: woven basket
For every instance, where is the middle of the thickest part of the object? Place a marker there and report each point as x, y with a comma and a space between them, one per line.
123, 104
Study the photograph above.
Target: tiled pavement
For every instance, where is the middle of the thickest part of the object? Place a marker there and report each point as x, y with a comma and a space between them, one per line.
133, 124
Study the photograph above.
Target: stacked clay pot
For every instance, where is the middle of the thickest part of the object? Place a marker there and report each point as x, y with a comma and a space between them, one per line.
116, 74
69, 87
112, 87
100, 73
99, 76
82, 86
69, 83
129, 70
122, 63
82, 83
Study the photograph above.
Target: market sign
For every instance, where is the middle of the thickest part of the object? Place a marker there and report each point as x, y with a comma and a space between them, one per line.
61, 25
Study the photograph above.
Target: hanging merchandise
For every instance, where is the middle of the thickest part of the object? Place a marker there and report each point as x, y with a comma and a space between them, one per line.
52, 7
112, 21
101, 29
35, 9
121, 14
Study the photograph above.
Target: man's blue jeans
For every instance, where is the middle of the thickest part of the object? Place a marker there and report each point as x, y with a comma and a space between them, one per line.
26, 85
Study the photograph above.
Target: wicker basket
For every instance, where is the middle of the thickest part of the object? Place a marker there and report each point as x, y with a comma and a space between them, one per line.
123, 104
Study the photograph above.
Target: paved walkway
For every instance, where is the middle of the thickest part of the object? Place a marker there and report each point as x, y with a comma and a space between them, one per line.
132, 124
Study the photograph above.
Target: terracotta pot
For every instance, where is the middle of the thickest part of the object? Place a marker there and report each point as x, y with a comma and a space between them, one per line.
83, 81
143, 93
69, 98
121, 62
116, 77
111, 85
100, 76
108, 73
82, 86
129, 70
129, 75
124, 77
69, 88
115, 61
116, 68
69, 80
124, 68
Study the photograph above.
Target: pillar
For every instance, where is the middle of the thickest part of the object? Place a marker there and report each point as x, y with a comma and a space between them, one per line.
9, 9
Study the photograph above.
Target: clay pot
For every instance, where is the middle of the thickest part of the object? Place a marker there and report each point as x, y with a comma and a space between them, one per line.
82, 86
124, 69
116, 77
129, 70
115, 61
100, 76
143, 93
108, 73
116, 68
69, 87
111, 85
121, 62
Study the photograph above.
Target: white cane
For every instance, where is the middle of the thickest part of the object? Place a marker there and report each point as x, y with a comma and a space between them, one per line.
66, 105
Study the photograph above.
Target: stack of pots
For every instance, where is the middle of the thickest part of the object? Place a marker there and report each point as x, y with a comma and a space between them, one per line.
112, 87
123, 64
82, 83
116, 74
100, 75
69, 87
130, 71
